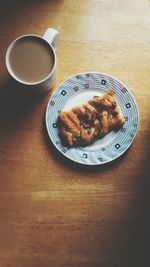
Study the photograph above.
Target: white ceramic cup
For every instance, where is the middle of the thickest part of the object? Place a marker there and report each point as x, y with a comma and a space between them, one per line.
51, 39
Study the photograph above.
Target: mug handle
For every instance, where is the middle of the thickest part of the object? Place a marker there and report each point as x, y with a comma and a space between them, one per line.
51, 36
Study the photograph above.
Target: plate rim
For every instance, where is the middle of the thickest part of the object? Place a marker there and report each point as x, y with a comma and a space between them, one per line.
46, 117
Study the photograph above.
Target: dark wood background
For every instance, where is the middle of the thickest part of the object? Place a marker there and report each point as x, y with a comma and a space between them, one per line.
54, 213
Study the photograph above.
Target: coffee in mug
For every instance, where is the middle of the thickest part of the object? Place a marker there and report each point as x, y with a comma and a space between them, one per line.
31, 59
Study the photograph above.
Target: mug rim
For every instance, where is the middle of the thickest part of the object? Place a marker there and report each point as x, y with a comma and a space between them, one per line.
8, 65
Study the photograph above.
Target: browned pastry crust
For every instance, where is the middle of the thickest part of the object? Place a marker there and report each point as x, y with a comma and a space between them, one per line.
84, 124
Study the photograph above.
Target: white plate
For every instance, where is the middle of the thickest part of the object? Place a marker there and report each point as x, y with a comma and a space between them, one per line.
77, 90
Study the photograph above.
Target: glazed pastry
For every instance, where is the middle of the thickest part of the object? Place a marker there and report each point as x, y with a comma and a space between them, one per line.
84, 124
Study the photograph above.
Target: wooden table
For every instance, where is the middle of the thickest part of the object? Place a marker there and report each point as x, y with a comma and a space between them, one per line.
54, 213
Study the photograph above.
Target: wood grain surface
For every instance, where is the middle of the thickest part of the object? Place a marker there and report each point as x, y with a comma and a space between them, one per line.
54, 213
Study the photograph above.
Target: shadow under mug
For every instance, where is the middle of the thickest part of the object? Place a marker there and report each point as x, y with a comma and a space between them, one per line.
50, 38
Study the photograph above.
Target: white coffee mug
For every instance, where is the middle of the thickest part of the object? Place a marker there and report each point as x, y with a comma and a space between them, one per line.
51, 39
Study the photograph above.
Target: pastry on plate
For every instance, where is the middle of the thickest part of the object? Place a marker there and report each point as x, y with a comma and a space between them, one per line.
84, 124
